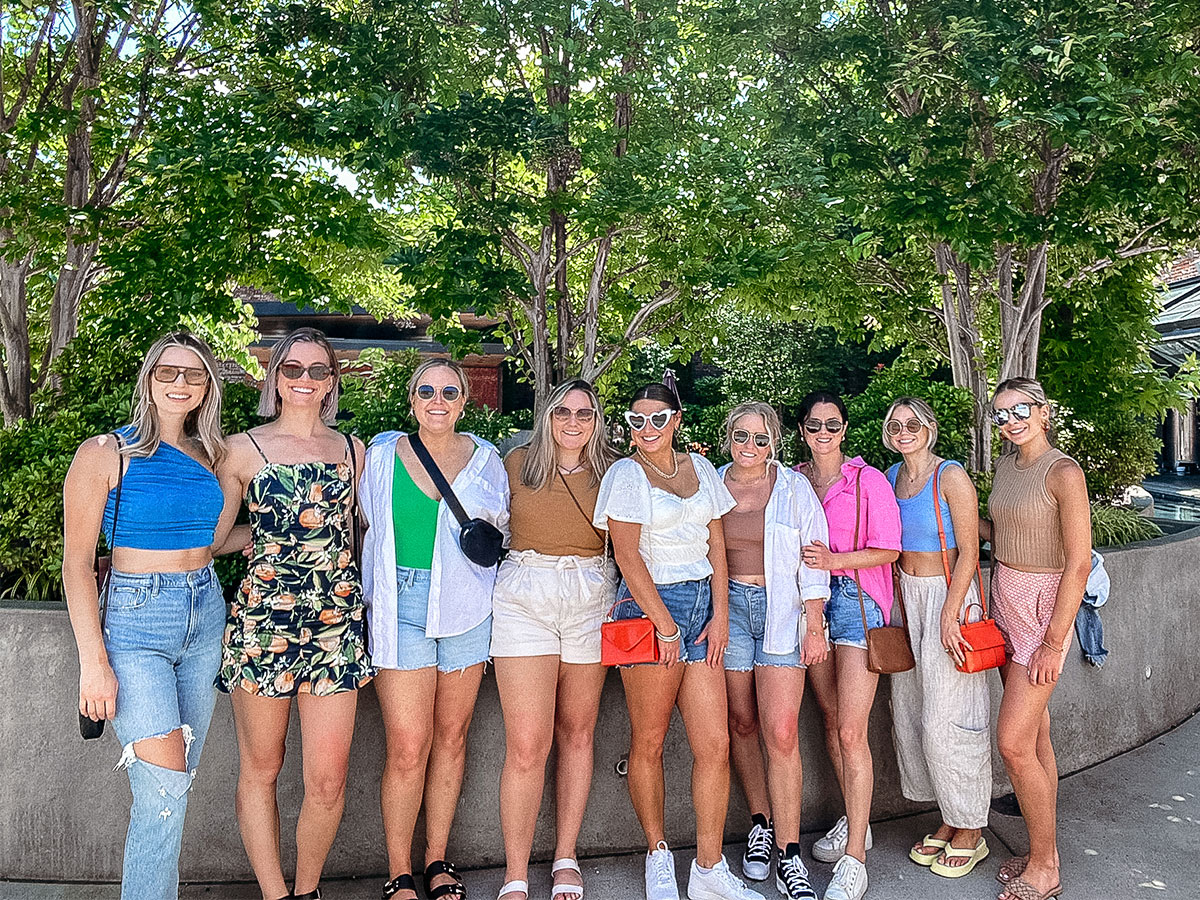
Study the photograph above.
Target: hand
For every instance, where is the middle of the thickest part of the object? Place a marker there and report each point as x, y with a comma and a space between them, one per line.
817, 555
1046, 665
248, 550
668, 652
952, 639
814, 649
716, 632
97, 691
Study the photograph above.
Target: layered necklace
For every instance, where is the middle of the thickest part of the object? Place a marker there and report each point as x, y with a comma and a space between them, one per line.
656, 469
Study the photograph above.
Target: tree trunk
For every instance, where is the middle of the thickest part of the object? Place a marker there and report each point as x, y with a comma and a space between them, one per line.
15, 380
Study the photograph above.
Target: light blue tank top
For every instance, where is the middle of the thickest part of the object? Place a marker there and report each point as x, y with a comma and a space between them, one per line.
918, 523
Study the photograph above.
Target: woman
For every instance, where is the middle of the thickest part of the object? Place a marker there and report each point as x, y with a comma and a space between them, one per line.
430, 617
1041, 534
941, 716
551, 595
150, 667
296, 626
864, 541
663, 510
776, 630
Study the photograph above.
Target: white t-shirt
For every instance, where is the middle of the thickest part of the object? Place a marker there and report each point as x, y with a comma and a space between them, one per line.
674, 542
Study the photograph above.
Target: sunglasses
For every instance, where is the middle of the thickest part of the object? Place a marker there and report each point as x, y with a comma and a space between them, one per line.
894, 427
741, 436
657, 420
565, 413
165, 374
293, 370
427, 392
1020, 411
833, 426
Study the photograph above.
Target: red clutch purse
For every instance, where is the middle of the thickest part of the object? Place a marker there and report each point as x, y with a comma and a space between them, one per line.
625, 642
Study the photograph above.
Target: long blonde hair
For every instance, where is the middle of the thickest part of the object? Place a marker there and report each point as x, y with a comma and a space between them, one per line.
541, 460
203, 424
268, 401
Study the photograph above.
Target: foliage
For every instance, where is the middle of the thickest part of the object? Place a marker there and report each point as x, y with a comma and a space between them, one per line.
1117, 450
1113, 526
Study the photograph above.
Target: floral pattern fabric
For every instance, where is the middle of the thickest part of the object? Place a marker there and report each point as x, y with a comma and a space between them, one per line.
297, 624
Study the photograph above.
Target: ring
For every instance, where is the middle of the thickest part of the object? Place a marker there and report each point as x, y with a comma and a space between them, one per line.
949, 649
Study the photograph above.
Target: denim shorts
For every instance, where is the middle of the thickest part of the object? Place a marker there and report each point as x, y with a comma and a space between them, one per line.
690, 605
747, 622
416, 651
845, 615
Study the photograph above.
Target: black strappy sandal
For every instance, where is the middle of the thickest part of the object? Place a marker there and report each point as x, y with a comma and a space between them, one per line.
454, 889
400, 883
314, 894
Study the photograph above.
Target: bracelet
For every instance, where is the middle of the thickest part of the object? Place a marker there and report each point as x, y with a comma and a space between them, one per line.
669, 639
1050, 646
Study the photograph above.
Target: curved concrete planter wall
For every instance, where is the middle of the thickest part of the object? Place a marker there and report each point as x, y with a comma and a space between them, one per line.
63, 809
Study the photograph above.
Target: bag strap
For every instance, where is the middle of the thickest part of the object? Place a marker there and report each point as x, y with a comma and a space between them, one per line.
862, 606
116, 513
937, 509
355, 520
439, 480
578, 506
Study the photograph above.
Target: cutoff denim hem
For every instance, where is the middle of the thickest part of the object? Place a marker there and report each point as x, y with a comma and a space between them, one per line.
747, 625
845, 616
415, 651
690, 606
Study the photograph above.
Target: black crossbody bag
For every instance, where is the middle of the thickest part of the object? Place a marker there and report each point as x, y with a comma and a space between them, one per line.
88, 729
481, 541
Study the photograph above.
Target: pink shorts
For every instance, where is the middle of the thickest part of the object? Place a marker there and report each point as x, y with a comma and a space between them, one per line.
1022, 603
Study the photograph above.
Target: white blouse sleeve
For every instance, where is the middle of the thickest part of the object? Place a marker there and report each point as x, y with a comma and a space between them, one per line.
624, 495
714, 486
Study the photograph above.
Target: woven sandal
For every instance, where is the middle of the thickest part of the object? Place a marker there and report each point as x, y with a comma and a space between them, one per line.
1012, 869
1020, 889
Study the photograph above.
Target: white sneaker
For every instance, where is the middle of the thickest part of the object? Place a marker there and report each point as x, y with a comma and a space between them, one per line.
756, 861
660, 874
849, 880
832, 847
718, 883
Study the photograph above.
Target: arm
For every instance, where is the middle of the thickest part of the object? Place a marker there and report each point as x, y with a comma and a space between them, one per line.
625, 539
814, 583
227, 538
959, 491
881, 542
716, 632
92, 475
985, 528
1066, 484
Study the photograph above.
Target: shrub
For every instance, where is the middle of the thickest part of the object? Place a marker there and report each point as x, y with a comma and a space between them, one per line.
1116, 451
1113, 526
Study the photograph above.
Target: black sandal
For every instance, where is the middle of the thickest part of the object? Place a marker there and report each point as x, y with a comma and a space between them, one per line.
314, 894
454, 889
400, 883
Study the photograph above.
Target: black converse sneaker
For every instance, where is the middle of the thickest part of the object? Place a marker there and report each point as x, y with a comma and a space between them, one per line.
756, 861
791, 877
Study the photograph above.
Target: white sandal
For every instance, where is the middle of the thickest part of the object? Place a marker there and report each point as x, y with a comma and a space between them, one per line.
558, 890
522, 886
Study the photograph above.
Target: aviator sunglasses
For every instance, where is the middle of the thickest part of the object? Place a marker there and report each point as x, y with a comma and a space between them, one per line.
894, 426
1021, 411
450, 392
165, 374
294, 370
659, 420
742, 436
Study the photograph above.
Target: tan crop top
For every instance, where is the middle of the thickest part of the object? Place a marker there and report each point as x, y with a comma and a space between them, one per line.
1026, 530
745, 527
548, 520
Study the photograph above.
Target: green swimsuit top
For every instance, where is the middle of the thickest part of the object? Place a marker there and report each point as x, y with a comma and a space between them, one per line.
414, 520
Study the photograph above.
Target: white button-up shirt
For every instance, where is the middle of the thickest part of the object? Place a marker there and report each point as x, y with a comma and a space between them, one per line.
482, 489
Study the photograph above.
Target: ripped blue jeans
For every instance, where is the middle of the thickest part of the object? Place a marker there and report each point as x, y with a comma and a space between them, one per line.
163, 637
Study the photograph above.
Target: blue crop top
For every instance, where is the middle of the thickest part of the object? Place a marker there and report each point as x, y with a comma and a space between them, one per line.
168, 502
918, 524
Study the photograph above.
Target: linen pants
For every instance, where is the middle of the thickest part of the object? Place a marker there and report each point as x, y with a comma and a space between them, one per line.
941, 716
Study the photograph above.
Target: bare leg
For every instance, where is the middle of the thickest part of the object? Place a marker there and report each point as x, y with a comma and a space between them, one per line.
650, 693
406, 704
326, 729
744, 747
780, 691
578, 706
823, 678
856, 694
701, 704
262, 724
527, 691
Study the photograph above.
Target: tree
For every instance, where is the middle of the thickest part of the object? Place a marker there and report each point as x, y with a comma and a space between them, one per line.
991, 158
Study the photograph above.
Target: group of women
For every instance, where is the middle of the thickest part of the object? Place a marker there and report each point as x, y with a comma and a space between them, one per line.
753, 577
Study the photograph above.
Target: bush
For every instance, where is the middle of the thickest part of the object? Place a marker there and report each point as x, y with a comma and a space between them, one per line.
1113, 526
1118, 450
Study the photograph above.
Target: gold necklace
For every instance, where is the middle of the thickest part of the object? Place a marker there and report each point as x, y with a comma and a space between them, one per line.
759, 480
910, 479
811, 472
654, 468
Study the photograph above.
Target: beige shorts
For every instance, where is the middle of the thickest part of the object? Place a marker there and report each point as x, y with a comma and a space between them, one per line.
551, 605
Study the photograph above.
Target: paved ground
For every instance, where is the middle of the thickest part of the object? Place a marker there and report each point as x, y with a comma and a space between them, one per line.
1129, 828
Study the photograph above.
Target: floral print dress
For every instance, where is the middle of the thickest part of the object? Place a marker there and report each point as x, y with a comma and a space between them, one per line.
297, 624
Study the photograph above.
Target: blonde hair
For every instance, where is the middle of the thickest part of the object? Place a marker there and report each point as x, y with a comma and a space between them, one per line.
439, 362
268, 402
541, 458
921, 411
754, 408
203, 423
1030, 387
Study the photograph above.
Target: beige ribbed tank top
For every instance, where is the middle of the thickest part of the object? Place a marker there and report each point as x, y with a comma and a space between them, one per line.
1026, 531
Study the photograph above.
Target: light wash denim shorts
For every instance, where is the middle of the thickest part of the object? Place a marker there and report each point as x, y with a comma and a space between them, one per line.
690, 605
846, 616
747, 622
416, 651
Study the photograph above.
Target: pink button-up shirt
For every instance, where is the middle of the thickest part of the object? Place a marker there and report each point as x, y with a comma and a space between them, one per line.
879, 525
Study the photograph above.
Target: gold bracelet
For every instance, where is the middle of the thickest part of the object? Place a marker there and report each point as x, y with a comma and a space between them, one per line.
1050, 646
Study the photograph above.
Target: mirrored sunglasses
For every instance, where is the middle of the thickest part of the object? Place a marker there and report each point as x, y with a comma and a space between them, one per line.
658, 420
833, 426
450, 392
741, 436
1020, 411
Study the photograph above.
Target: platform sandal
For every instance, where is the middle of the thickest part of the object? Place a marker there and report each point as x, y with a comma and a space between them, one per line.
454, 889
400, 883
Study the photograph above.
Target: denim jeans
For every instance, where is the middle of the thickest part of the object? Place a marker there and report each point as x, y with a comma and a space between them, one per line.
163, 637
690, 605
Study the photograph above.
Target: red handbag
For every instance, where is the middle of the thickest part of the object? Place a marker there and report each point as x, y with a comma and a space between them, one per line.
626, 642
985, 643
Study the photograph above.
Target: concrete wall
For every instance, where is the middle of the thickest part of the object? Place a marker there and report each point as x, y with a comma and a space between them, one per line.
63, 809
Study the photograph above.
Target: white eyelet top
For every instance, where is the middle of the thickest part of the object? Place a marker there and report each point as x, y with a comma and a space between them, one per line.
674, 541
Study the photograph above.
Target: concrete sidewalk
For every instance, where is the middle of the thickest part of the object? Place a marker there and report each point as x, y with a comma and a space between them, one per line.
1128, 828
